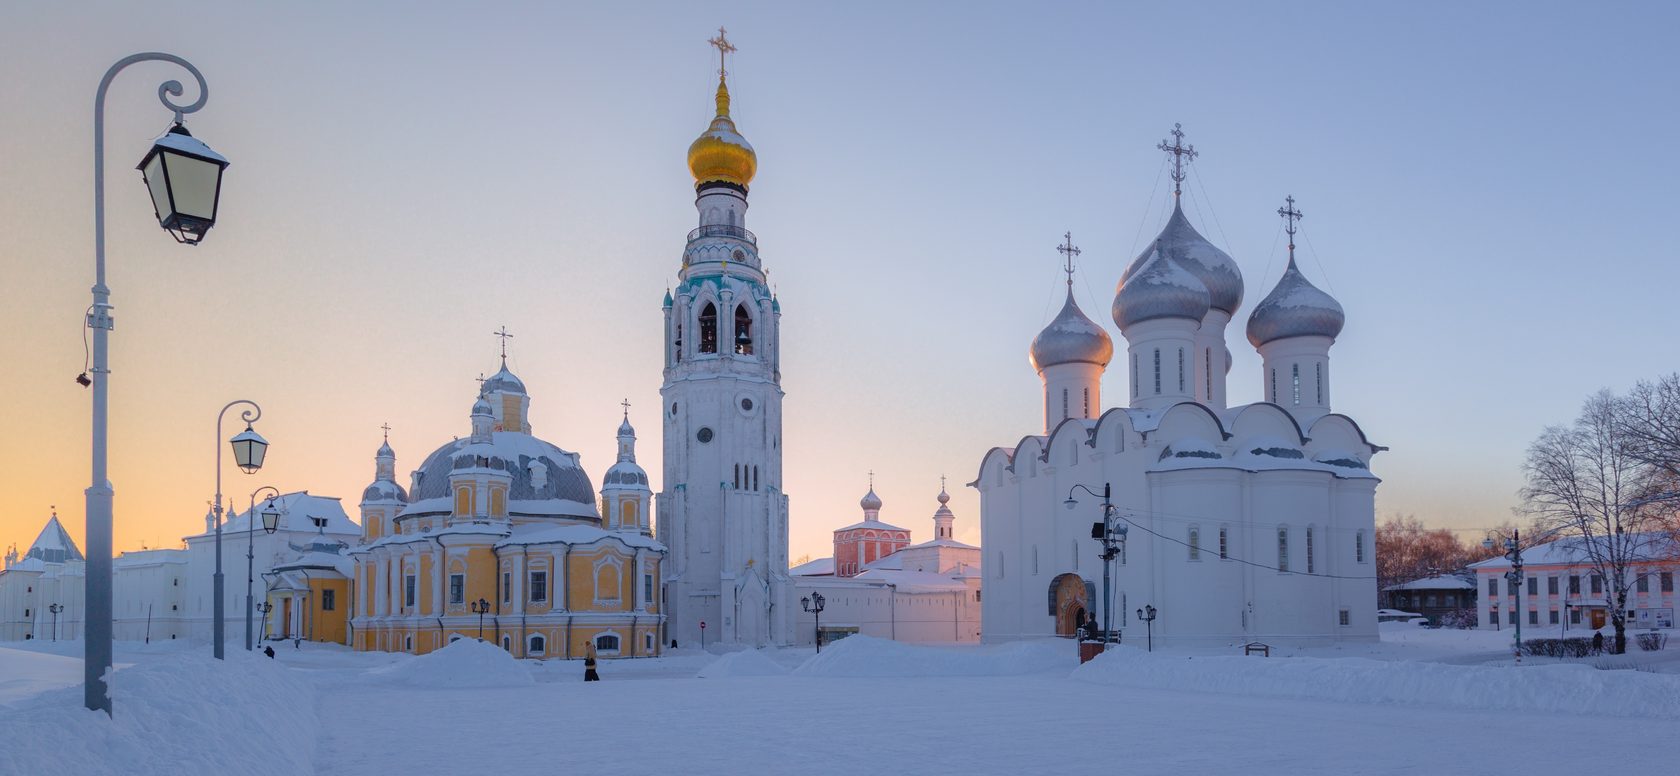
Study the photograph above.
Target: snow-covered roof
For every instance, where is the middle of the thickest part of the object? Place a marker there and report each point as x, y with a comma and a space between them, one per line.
138, 558
53, 545
318, 558
875, 525
1443, 582
821, 567
297, 513
913, 581
1573, 549
941, 542
577, 534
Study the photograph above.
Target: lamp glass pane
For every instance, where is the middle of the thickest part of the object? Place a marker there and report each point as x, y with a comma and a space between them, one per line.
158, 185
193, 182
271, 520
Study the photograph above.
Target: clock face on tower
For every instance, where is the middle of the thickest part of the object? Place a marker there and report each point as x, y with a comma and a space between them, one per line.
746, 405
704, 435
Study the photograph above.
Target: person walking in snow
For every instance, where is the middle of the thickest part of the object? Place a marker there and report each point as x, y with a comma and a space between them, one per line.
589, 674
269, 650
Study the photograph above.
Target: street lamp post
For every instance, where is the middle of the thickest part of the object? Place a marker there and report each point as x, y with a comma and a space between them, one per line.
479, 607
1112, 533
813, 604
249, 450
265, 607
188, 219
1147, 614
271, 522
55, 609
1513, 553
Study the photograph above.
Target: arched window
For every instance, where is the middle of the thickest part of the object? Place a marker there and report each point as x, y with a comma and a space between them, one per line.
1157, 371
1310, 564
1318, 374
1295, 382
507, 643
1195, 543
743, 331
1181, 370
536, 645
1359, 547
708, 328
606, 642
1283, 548
1134, 376
677, 344
1224, 543
627, 513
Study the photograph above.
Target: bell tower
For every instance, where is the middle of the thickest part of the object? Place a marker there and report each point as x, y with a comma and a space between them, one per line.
722, 512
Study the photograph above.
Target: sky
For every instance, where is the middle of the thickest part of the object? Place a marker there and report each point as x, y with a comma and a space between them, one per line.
1485, 189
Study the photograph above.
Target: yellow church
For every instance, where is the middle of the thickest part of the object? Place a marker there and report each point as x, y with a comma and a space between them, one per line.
502, 528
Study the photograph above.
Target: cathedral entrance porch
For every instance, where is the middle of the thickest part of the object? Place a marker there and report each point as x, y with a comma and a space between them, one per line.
1070, 599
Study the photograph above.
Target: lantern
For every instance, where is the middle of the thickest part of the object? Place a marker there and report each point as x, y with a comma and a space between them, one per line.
185, 180
248, 450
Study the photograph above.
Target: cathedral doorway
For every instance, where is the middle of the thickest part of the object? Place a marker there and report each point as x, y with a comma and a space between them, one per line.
286, 618
1069, 600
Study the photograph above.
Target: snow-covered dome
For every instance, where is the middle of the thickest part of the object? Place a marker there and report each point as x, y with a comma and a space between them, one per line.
1295, 308
1190, 250
625, 429
384, 490
870, 501
1070, 338
482, 406
504, 381
625, 473
1160, 288
385, 451
563, 488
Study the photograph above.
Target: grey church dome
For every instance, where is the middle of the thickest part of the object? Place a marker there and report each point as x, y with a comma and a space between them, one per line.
1295, 308
1071, 338
504, 381
520, 456
1190, 250
1160, 288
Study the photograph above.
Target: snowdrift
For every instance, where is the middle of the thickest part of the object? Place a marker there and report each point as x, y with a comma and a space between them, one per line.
1570, 689
465, 663
185, 715
862, 656
747, 662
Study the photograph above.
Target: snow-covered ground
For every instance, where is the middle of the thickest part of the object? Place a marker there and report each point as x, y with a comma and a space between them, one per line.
1421, 701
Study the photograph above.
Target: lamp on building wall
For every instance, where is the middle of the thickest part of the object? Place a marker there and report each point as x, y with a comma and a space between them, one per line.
813, 604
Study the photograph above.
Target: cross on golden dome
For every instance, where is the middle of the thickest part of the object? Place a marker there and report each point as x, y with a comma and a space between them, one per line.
724, 47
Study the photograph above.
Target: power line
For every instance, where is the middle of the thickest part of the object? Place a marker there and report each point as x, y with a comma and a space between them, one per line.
1228, 556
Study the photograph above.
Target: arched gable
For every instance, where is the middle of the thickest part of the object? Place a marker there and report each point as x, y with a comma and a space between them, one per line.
1028, 455
1340, 431
1064, 442
994, 464
1190, 419
1113, 431
1264, 418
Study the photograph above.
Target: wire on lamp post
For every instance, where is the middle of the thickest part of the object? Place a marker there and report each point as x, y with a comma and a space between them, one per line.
271, 522
1112, 533
1513, 553
186, 217
249, 449
813, 604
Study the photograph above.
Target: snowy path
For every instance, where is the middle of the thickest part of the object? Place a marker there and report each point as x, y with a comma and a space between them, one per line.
982, 725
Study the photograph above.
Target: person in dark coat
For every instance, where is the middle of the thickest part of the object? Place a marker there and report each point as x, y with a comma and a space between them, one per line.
1598, 642
1092, 631
269, 650
589, 674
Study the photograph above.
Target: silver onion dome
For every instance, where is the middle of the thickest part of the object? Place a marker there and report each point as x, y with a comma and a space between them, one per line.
1160, 288
870, 501
1190, 250
385, 451
504, 381
1071, 338
1295, 308
481, 407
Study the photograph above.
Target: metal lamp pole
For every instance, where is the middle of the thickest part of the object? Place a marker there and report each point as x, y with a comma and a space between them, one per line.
1147, 614
250, 551
55, 609
814, 605
1112, 533
97, 607
479, 607
1513, 553
250, 460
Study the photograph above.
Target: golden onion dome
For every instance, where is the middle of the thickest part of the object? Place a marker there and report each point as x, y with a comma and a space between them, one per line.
720, 153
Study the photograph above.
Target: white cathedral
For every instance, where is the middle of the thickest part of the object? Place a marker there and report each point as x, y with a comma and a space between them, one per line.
1243, 523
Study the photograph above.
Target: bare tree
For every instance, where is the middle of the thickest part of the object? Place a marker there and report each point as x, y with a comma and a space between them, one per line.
1406, 550
1586, 487
1649, 417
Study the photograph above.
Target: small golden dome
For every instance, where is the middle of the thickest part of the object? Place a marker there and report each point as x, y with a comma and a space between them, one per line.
720, 153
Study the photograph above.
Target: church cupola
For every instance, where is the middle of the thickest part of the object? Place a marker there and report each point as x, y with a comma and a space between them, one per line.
625, 494
1159, 310
871, 503
510, 405
1187, 248
385, 462
383, 498
1070, 355
483, 420
1293, 328
943, 518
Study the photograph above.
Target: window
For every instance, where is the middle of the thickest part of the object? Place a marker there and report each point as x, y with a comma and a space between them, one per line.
1310, 565
1344, 617
708, 328
1493, 587
1533, 617
647, 643
1274, 386
1551, 585
1552, 616
1207, 374
1534, 586
1574, 616
329, 600
1318, 376
1359, 547
1064, 404
507, 587
1157, 370
536, 645
1666, 581
977, 596
1493, 616
647, 588
1295, 382
539, 586
408, 643
1510, 617
1134, 376
1575, 587
1195, 544
1510, 587
1283, 549
1181, 370
1224, 544
606, 642
1000, 565
1087, 392
1642, 584
408, 591
1597, 584
457, 588
743, 331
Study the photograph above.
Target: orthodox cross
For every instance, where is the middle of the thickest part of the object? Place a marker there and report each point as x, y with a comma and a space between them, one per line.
503, 333
941, 483
871, 479
1066, 249
387, 427
1181, 153
724, 47
626, 404
1290, 216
